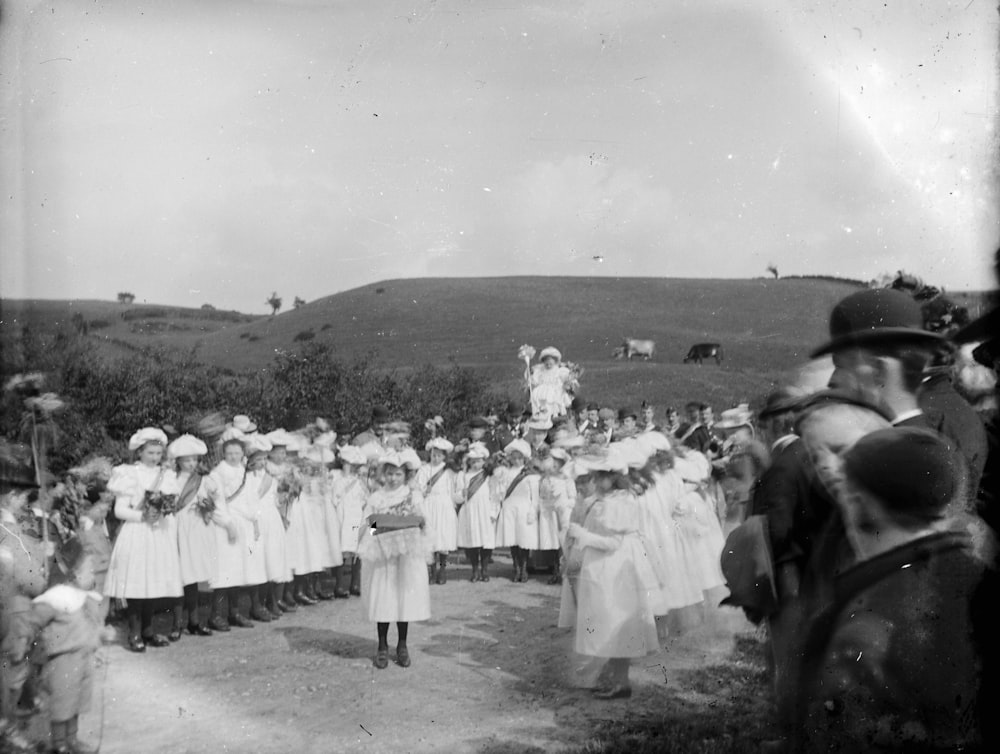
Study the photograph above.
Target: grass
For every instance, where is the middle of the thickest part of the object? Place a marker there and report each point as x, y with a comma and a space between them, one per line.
737, 719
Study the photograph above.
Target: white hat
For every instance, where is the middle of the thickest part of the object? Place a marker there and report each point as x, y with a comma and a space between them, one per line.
318, 454
439, 443
352, 454
279, 438
478, 450
296, 443
257, 444
232, 433
519, 446
243, 424
653, 442
550, 351
731, 418
410, 458
186, 445
327, 439
391, 458
612, 459
559, 454
147, 435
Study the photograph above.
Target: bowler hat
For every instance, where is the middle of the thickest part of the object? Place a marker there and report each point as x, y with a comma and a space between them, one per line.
380, 414
876, 316
478, 422
781, 401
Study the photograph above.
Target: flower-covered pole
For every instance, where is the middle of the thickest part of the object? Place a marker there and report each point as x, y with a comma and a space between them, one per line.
527, 353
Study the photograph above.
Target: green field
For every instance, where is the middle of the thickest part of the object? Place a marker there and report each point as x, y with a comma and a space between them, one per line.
766, 328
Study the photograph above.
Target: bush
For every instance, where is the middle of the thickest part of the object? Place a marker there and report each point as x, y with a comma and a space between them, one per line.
252, 338
98, 324
304, 335
244, 335
325, 327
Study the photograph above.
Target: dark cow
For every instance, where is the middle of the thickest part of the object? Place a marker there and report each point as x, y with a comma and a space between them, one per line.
632, 347
701, 351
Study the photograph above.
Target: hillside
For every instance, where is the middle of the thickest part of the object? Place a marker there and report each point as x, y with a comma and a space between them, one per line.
766, 327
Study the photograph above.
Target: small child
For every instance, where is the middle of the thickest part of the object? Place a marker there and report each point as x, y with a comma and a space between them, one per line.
68, 615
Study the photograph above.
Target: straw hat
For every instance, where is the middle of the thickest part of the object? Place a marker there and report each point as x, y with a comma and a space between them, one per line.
353, 455
518, 446
147, 435
439, 443
280, 438
478, 450
550, 351
243, 424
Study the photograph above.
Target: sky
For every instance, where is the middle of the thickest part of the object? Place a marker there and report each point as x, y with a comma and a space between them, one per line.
192, 152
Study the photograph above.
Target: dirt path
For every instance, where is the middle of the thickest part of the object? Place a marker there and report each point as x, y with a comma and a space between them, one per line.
491, 672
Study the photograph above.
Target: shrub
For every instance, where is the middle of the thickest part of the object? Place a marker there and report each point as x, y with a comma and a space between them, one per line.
244, 335
252, 338
304, 335
325, 327
98, 324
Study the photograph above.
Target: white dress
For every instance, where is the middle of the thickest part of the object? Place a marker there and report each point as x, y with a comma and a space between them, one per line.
196, 540
144, 561
394, 584
272, 530
477, 518
518, 521
699, 525
663, 536
230, 563
439, 505
349, 494
332, 524
614, 602
554, 501
548, 392
308, 545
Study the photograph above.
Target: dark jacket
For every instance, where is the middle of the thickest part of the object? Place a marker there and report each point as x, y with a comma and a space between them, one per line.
782, 493
950, 414
894, 662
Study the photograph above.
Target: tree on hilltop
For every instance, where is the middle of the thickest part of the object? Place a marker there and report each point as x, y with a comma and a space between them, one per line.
773, 269
274, 302
299, 302
124, 297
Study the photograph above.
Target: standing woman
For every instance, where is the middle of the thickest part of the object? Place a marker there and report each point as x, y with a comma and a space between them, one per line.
144, 562
350, 493
615, 601
394, 579
269, 541
229, 478
196, 526
517, 527
477, 516
436, 483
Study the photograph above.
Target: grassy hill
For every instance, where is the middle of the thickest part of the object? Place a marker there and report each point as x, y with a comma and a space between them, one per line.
766, 327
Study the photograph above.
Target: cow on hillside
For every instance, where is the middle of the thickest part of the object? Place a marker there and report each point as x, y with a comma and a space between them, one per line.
701, 351
632, 347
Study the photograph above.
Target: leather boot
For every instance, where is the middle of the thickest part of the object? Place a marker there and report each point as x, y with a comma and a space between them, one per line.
301, 596
356, 577
218, 622
342, 578
287, 601
318, 589
432, 573
442, 576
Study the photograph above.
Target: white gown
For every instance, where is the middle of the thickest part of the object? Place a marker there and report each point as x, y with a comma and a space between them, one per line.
394, 584
349, 494
231, 561
477, 518
272, 531
518, 521
615, 599
144, 560
698, 523
196, 540
439, 505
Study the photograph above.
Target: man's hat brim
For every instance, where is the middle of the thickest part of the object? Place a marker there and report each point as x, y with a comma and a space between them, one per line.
884, 335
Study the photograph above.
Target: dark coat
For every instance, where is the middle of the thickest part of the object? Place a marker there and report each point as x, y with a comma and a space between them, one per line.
895, 658
782, 493
950, 414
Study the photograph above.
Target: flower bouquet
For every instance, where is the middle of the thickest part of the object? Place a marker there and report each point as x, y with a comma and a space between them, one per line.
289, 489
159, 504
205, 506
571, 380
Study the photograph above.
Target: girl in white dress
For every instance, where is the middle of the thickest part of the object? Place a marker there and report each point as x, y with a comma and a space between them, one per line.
517, 527
308, 544
196, 537
350, 493
548, 385
698, 522
144, 562
271, 489
394, 579
614, 605
229, 479
288, 489
437, 484
477, 516
556, 495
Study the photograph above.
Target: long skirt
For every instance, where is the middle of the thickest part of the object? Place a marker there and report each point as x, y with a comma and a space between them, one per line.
230, 570
548, 529
197, 546
442, 521
144, 561
518, 524
331, 528
394, 585
476, 527
351, 517
274, 545
702, 541
308, 548
610, 605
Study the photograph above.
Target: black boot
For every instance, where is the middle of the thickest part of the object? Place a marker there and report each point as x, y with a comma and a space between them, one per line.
342, 574
442, 576
218, 620
287, 602
356, 577
485, 558
432, 573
